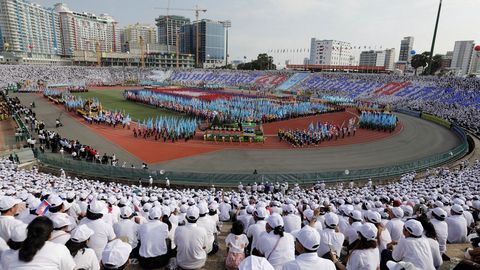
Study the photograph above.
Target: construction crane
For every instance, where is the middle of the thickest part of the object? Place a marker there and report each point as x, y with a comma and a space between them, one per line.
197, 15
142, 52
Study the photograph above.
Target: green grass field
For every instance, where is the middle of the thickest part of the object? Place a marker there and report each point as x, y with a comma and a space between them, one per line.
113, 100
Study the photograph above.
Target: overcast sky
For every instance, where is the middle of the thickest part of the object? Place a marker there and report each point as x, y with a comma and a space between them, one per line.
261, 25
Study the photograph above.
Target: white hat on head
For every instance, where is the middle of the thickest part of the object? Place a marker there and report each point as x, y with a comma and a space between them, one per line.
308, 214
54, 200
126, 212
155, 213
7, 202
97, 207
457, 209
331, 220
192, 213
275, 220
440, 213
19, 233
255, 262
60, 220
356, 215
81, 233
374, 217
414, 227
290, 208
202, 208
116, 254
309, 238
397, 212
261, 212
369, 231
400, 266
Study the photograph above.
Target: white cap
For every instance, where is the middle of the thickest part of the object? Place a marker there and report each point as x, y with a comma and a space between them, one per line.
97, 207
7, 202
457, 209
308, 214
81, 234
261, 212
126, 212
202, 208
54, 200
476, 204
440, 213
414, 227
275, 220
60, 220
331, 219
192, 213
19, 233
255, 262
309, 238
155, 213
374, 217
356, 215
116, 254
290, 208
400, 266
397, 212
369, 231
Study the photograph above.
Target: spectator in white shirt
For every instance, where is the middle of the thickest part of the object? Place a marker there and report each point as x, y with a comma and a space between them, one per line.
254, 231
395, 224
276, 245
60, 232
383, 236
155, 249
116, 254
8, 208
457, 225
206, 222
414, 248
83, 256
191, 241
364, 254
37, 252
329, 237
236, 242
308, 241
441, 227
19, 234
431, 235
127, 229
103, 231
292, 222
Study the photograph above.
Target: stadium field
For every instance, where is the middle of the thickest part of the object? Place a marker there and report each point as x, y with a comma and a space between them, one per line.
112, 99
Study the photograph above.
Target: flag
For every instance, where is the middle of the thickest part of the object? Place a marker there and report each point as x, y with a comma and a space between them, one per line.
42, 208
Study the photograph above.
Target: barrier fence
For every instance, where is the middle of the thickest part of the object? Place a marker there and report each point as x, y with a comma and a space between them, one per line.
196, 178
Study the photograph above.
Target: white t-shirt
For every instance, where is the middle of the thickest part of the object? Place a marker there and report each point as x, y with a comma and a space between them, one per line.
416, 251
153, 237
191, 241
7, 223
103, 234
60, 237
87, 260
330, 238
51, 256
282, 253
441, 228
364, 259
255, 231
436, 255
395, 227
292, 223
309, 261
211, 228
457, 229
129, 229
236, 243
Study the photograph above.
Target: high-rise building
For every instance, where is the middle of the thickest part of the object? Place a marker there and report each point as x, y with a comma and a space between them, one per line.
462, 55
29, 30
406, 46
84, 31
372, 58
447, 60
475, 63
133, 32
211, 41
167, 28
330, 52
390, 59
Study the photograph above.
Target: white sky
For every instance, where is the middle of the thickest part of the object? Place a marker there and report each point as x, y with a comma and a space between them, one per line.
261, 25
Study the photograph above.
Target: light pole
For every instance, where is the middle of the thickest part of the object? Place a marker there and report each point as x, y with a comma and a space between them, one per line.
226, 24
430, 57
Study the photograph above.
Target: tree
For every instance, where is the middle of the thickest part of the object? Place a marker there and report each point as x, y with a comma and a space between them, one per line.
263, 62
436, 64
419, 60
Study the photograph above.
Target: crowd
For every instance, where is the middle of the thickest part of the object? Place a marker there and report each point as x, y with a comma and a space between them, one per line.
378, 121
233, 110
67, 223
166, 128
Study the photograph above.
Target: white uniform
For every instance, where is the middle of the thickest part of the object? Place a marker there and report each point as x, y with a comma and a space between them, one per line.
330, 238
437, 256
60, 237
224, 209
395, 227
191, 241
51, 256
153, 237
103, 234
283, 252
416, 251
292, 223
255, 231
365, 259
206, 223
86, 259
441, 228
127, 228
352, 234
309, 261
457, 229
7, 223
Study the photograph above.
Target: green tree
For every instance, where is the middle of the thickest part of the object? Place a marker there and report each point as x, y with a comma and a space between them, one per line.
263, 62
419, 60
436, 65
